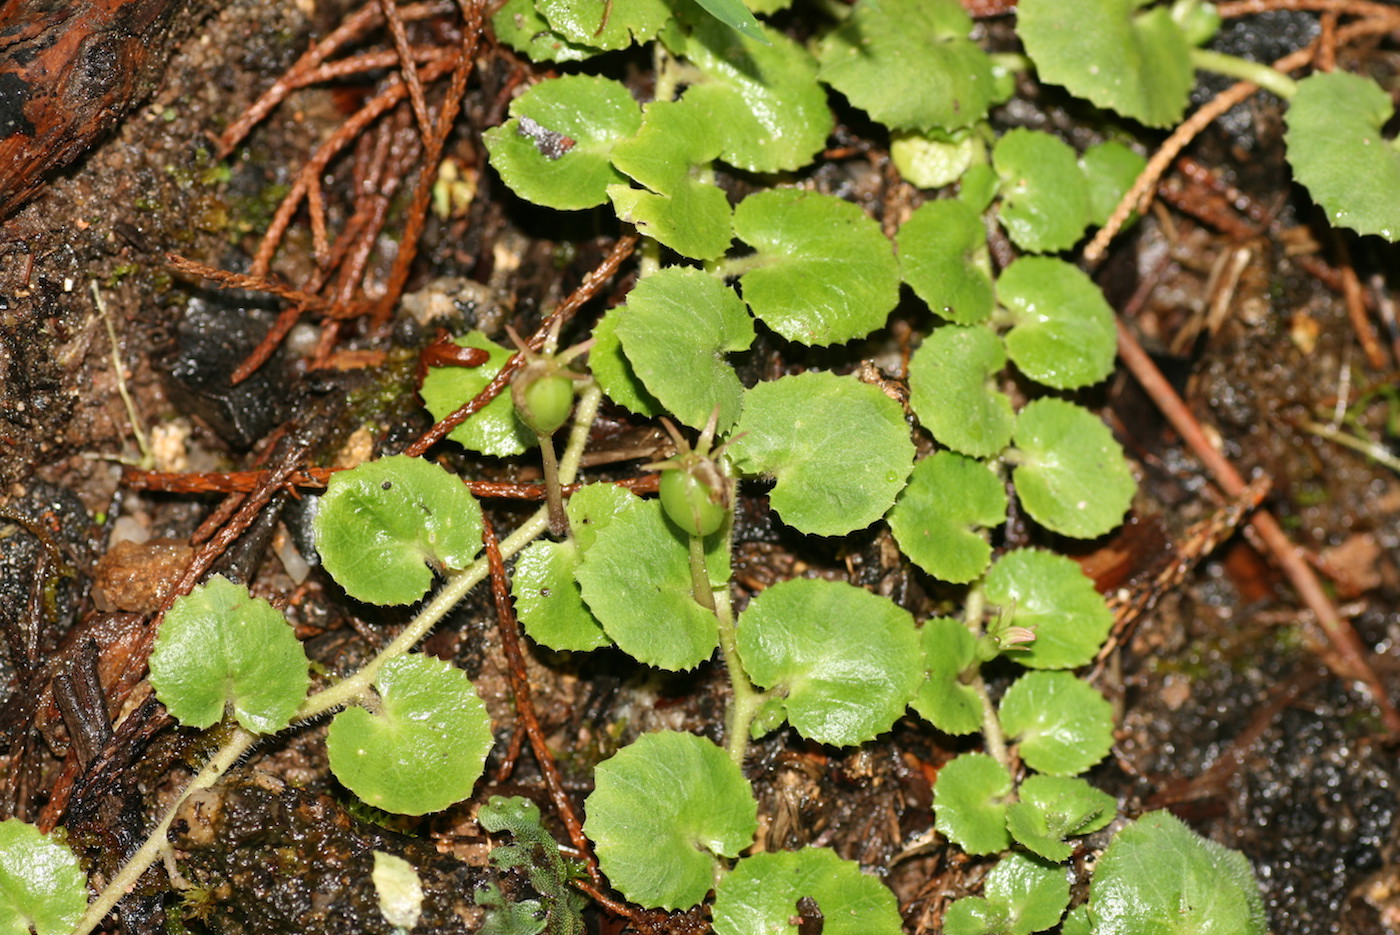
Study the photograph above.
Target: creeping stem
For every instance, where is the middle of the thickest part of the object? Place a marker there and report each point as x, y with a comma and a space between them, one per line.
1268, 78
746, 698
973, 614
232, 750
352, 689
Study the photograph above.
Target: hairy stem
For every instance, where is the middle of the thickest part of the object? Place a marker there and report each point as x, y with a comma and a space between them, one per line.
1268, 78
744, 705
223, 760
974, 611
558, 521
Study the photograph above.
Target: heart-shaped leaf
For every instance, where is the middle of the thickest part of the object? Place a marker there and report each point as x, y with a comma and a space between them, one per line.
662, 813
952, 390
423, 747
42, 886
1137, 63
614, 372
822, 273
544, 585
1051, 808
1044, 198
678, 326
910, 64
1338, 152
763, 99
1021, 895
555, 149
1062, 333
761, 895
839, 449
843, 662
687, 213
382, 526
1110, 169
935, 159
492, 430
636, 580
969, 803
605, 24
519, 25
221, 648
1071, 475
1157, 875
943, 256
940, 518
1064, 726
943, 700
1051, 596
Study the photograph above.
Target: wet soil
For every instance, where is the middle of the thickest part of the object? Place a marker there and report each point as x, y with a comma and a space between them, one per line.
1228, 715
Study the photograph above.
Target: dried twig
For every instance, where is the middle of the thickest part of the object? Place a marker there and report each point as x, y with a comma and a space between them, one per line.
1338, 630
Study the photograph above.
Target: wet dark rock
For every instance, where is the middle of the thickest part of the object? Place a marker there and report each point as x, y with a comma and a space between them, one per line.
44, 553
262, 859
212, 340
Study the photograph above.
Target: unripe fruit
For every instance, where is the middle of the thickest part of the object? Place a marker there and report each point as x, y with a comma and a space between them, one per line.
691, 503
543, 400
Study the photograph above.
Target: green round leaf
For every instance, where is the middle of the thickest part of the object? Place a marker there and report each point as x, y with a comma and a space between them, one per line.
1110, 169
1071, 476
942, 254
1338, 153
1050, 595
1158, 875
764, 100
42, 886
547, 595
1062, 333
662, 813
1051, 808
548, 600
519, 25
952, 390
934, 160
687, 213
823, 273
843, 661
221, 648
1044, 199
1137, 63
614, 372
1022, 895
494, 429
555, 148
969, 803
382, 525
636, 580
679, 325
425, 745
1064, 726
839, 449
1077, 922
943, 700
760, 895
910, 64
939, 518
605, 24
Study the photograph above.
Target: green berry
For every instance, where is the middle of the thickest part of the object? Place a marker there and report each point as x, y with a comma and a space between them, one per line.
691, 503
543, 401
